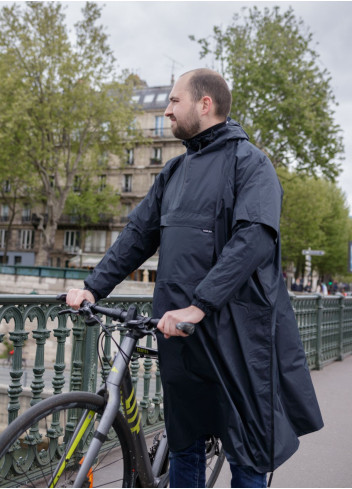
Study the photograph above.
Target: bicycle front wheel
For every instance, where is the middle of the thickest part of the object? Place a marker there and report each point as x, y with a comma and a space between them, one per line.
34, 445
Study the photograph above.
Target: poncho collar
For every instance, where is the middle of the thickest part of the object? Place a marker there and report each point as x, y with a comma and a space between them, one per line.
204, 138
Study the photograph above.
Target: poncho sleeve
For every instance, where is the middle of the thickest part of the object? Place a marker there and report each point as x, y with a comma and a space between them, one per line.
255, 227
258, 193
250, 247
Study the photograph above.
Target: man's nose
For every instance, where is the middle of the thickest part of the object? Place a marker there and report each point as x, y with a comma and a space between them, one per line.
168, 111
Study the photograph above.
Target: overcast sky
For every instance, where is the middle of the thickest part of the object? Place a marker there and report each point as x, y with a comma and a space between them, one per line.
151, 39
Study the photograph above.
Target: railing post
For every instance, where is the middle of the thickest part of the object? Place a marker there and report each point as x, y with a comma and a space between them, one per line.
41, 334
18, 337
341, 323
90, 358
78, 334
145, 402
318, 362
107, 357
61, 333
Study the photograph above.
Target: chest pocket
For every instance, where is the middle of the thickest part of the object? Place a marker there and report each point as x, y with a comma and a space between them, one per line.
186, 248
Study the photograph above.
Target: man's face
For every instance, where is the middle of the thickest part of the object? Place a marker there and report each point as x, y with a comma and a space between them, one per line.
183, 111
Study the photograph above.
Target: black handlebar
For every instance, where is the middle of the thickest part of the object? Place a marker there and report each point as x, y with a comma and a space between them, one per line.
87, 308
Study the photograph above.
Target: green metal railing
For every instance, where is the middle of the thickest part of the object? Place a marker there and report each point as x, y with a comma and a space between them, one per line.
34, 319
30, 326
325, 326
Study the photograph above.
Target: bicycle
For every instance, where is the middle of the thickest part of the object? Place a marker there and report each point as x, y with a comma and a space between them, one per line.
95, 430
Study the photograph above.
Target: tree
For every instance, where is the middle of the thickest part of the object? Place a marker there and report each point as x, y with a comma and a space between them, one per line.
335, 226
17, 187
93, 201
315, 215
18, 184
280, 95
71, 106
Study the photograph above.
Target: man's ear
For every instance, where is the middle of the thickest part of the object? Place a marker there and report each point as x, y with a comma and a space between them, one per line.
207, 104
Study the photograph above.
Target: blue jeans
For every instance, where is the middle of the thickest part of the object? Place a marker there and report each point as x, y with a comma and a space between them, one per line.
187, 469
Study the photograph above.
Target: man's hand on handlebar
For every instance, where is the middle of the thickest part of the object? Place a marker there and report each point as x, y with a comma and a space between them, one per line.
167, 324
75, 297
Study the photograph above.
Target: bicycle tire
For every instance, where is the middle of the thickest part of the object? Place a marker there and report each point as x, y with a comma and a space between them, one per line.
23, 454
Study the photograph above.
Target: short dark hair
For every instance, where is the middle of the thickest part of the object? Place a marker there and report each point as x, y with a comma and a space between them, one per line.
204, 82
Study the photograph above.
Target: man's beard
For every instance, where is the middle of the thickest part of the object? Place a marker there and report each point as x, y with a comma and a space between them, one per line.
188, 129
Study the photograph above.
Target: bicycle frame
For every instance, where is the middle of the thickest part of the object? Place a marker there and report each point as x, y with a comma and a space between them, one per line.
119, 389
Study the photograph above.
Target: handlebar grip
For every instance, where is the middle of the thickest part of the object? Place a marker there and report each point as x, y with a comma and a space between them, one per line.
154, 322
61, 297
186, 327
114, 313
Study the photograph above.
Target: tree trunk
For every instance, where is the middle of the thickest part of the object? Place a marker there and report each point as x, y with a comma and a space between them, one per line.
9, 228
46, 241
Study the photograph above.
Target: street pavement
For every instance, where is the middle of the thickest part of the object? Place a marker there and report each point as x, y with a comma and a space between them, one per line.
324, 458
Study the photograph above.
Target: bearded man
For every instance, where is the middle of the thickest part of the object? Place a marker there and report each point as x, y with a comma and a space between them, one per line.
214, 212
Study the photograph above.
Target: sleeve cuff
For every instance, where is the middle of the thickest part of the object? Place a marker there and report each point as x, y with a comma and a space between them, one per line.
207, 311
95, 294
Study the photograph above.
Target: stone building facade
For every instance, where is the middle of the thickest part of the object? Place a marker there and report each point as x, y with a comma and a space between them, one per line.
131, 178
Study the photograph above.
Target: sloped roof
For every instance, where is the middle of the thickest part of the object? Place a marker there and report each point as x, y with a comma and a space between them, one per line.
152, 98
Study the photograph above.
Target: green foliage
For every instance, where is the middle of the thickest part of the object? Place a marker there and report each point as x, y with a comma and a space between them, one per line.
315, 215
281, 96
67, 105
92, 203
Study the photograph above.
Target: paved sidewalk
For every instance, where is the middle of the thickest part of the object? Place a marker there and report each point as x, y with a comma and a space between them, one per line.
324, 458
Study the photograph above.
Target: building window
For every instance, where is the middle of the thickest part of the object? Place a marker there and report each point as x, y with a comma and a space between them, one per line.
72, 241
3, 234
127, 183
148, 99
6, 186
95, 242
26, 213
4, 261
26, 239
4, 213
114, 236
157, 155
102, 182
77, 184
130, 156
18, 260
161, 97
103, 158
126, 209
159, 125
